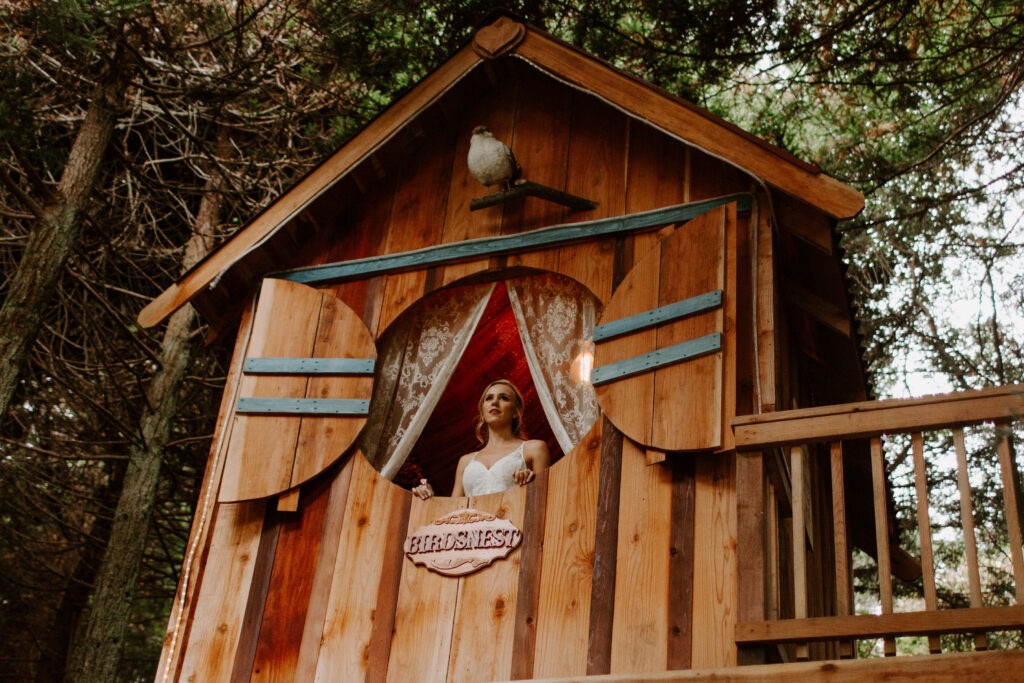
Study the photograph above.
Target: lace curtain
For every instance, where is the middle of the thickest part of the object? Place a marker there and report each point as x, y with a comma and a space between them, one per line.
555, 316
417, 361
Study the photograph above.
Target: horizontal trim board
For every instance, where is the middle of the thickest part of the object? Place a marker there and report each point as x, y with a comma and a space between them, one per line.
872, 418
926, 622
309, 366
303, 406
493, 246
658, 316
657, 359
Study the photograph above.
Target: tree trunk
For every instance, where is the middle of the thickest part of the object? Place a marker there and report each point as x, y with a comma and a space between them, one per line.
57, 227
97, 653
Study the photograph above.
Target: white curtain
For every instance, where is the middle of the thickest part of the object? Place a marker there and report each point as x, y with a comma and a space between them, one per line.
414, 366
555, 316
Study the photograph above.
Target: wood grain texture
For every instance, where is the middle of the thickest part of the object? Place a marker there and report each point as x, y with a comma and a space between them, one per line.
496, 109
208, 652
685, 408
1011, 499
542, 149
567, 567
417, 217
597, 171
289, 589
750, 545
888, 626
840, 543
642, 596
378, 650
882, 535
262, 447
967, 524
321, 441
192, 570
924, 528
688, 396
681, 563
692, 124
714, 574
602, 589
962, 667
248, 637
798, 534
483, 632
369, 507
421, 645
323, 571
765, 302
531, 551
869, 418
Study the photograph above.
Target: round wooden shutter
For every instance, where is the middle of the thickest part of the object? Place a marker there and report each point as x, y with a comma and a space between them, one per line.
304, 393
658, 357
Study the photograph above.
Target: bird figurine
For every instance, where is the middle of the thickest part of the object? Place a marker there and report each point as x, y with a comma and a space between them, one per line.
490, 160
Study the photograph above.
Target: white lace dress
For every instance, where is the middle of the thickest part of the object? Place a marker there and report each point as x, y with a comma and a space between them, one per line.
479, 480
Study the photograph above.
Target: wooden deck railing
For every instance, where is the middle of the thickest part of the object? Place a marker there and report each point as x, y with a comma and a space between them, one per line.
796, 431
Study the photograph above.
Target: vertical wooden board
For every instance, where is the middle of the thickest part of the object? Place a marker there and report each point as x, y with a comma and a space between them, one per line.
322, 440
730, 323
528, 591
606, 538
496, 110
364, 237
323, 571
640, 630
542, 148
291, 581
353, 595
681, 561
714, 573
598, 146
262, 447
186, 595
417, 218
711, 177
378, 651
567, 570
764, 298
421, 645
484, 626
657, 170
629, 403
750, 537
209, 651
692, 263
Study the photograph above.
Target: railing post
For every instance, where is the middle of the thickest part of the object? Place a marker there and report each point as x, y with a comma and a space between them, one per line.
967, 522
751, 536
924, 530
882, 536
844, 584
1011, 500
796, 465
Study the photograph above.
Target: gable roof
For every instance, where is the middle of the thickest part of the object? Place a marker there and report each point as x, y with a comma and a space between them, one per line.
507, 37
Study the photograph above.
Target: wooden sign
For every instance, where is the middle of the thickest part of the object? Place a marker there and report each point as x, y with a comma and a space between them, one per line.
462, 542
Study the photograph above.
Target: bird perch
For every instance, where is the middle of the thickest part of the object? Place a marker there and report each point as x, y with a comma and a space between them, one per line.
525, 188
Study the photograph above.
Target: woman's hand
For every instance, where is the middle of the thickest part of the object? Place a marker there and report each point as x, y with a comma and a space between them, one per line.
523, 477
424, 490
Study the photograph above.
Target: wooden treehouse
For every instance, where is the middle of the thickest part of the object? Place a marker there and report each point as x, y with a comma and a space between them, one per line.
695, 268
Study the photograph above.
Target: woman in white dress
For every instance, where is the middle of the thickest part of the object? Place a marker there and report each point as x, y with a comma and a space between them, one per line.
505, 458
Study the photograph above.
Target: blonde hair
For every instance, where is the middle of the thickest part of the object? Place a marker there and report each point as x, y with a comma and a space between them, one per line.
517, 419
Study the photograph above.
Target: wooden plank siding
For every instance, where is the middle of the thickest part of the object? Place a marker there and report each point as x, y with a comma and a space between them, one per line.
625, 566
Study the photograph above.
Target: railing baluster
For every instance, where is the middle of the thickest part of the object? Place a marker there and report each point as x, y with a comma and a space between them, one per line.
882, 536
844, 602
924, 530
796, 468
1010, 503
967, 522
